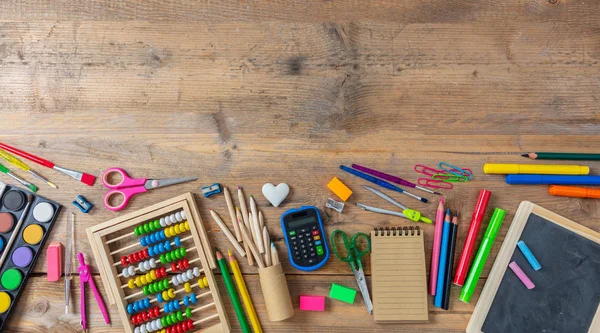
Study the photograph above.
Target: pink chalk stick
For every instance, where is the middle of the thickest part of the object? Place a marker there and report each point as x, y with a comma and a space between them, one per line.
521, 275
312, 303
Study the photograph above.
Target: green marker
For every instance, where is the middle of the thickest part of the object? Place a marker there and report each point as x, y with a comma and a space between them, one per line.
22, 181
484, 251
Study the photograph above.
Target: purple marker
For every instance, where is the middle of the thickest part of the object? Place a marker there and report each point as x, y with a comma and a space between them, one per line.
391, 178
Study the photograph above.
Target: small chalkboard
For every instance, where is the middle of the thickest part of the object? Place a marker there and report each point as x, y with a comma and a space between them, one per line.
566, 296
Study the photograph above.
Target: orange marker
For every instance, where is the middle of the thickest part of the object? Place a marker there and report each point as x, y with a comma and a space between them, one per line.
574, 191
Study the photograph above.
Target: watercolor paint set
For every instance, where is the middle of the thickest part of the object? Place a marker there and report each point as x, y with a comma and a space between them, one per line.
24, 228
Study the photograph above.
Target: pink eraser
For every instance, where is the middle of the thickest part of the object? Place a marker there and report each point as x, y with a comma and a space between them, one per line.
521, 275
312, 303
54, 261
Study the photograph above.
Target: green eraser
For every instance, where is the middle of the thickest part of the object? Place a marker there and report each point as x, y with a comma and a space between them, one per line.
342, 293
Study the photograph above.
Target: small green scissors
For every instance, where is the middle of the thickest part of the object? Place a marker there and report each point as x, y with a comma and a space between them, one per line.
354, 259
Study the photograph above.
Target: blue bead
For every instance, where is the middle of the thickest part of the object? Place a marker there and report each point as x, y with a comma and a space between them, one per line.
152, 239
168, 245
156, 249
136, 307
150, 252
161, 247
186, 301
166, 308
162, 235
143, 241
130, 308
193, 298
177, 241
146, 303
177, 305
159, 297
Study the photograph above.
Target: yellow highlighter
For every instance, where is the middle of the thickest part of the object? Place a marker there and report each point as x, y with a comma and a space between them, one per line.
541, 169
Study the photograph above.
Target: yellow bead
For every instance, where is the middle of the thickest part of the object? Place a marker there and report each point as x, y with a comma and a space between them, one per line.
171, 293
187, 287
153, 274
187, 225
203, 282
163, 331
172, 230
143, 280
138, 282
167, 232
130, 284
165, 295
149, 277
180, 229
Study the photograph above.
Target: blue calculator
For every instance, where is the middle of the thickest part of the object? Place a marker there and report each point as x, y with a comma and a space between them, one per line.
305, 238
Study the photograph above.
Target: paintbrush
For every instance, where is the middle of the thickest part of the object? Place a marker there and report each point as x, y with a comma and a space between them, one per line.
16, 162
17, 230
80, 176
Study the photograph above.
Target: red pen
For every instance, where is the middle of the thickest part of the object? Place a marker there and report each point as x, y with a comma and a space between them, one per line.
467, 253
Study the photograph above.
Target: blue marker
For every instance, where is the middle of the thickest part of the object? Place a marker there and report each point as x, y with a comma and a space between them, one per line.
529, 256
439, 293
380, 182
552, 180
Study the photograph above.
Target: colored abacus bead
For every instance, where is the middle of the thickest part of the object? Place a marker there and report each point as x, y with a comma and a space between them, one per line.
203, 282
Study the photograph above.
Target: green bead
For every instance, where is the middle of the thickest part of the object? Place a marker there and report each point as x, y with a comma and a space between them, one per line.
156, 224
146, 228
169, 320
163, 322
179, 316
183, 252
162, 258
168, 257
165, 283
188, 312
136, 231
145, 290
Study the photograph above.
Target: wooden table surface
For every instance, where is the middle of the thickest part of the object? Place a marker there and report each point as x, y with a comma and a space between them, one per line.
248, 92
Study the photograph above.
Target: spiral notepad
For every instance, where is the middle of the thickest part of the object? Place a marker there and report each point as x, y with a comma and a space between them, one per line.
398, 271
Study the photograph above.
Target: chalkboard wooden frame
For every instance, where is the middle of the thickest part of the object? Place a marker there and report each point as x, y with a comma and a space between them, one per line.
506, 251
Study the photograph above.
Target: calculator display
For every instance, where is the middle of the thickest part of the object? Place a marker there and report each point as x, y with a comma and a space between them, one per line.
304, 238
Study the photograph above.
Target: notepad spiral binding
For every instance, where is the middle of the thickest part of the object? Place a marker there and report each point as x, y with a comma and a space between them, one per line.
397, 231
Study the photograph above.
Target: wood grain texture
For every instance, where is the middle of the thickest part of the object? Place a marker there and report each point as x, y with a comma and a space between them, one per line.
248, 92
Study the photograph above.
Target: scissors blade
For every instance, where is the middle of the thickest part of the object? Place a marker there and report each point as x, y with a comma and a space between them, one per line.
156, 183
359, 274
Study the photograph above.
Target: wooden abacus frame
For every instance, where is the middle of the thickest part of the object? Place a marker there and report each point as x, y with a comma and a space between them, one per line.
100, 234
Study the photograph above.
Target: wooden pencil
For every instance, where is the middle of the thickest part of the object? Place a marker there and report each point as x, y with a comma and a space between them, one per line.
266, 242
243, 207
450, 262
562, 156
227, 233
274, 254
257, 231
237, 221
261, 222
239, 280
229, 202
253, 249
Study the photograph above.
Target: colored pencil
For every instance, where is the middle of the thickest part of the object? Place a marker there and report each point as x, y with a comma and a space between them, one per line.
437, 239
80, 176
274, 254
248, 240
380, 182
392, 178
229, 203
243, 207
237, 221
439, 294
239, 280
255, 227
450, 262
235, 300
563, 156
227, 233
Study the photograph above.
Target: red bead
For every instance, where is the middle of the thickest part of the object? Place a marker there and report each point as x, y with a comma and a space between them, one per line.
190, 324
130, 259
156, 311
169, 330
174, 267
146, 254
163, 271
136, 256
124, 260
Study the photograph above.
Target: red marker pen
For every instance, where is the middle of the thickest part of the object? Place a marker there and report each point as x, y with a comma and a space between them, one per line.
467, 253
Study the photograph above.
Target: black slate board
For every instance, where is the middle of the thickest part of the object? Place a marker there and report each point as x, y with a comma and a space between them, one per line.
567, 288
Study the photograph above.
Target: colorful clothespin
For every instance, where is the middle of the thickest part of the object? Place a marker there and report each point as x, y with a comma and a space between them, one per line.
85, 276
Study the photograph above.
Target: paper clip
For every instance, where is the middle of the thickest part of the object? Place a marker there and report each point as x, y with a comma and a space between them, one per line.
450, 178
449, 168
428, 171
433, 183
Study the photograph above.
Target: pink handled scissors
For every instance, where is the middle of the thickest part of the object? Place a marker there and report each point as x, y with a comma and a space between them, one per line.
128, 186
85, 276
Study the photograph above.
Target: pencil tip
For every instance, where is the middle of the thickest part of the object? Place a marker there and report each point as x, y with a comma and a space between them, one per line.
239, 187
424, 200
448, 211
438, 193
229, 253
525, 155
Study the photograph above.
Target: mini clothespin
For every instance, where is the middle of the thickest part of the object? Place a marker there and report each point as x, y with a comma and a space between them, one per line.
83, 205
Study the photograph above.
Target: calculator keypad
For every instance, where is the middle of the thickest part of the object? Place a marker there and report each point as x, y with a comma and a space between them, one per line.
306, 246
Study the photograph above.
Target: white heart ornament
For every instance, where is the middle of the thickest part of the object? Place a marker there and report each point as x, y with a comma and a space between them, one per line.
275, 194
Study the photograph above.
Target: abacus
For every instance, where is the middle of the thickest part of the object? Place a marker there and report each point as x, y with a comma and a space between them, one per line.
156, 265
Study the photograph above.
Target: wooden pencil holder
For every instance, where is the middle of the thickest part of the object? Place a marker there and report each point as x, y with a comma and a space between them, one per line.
276, 293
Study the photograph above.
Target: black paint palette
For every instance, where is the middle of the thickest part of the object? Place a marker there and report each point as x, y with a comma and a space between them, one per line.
24, 252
